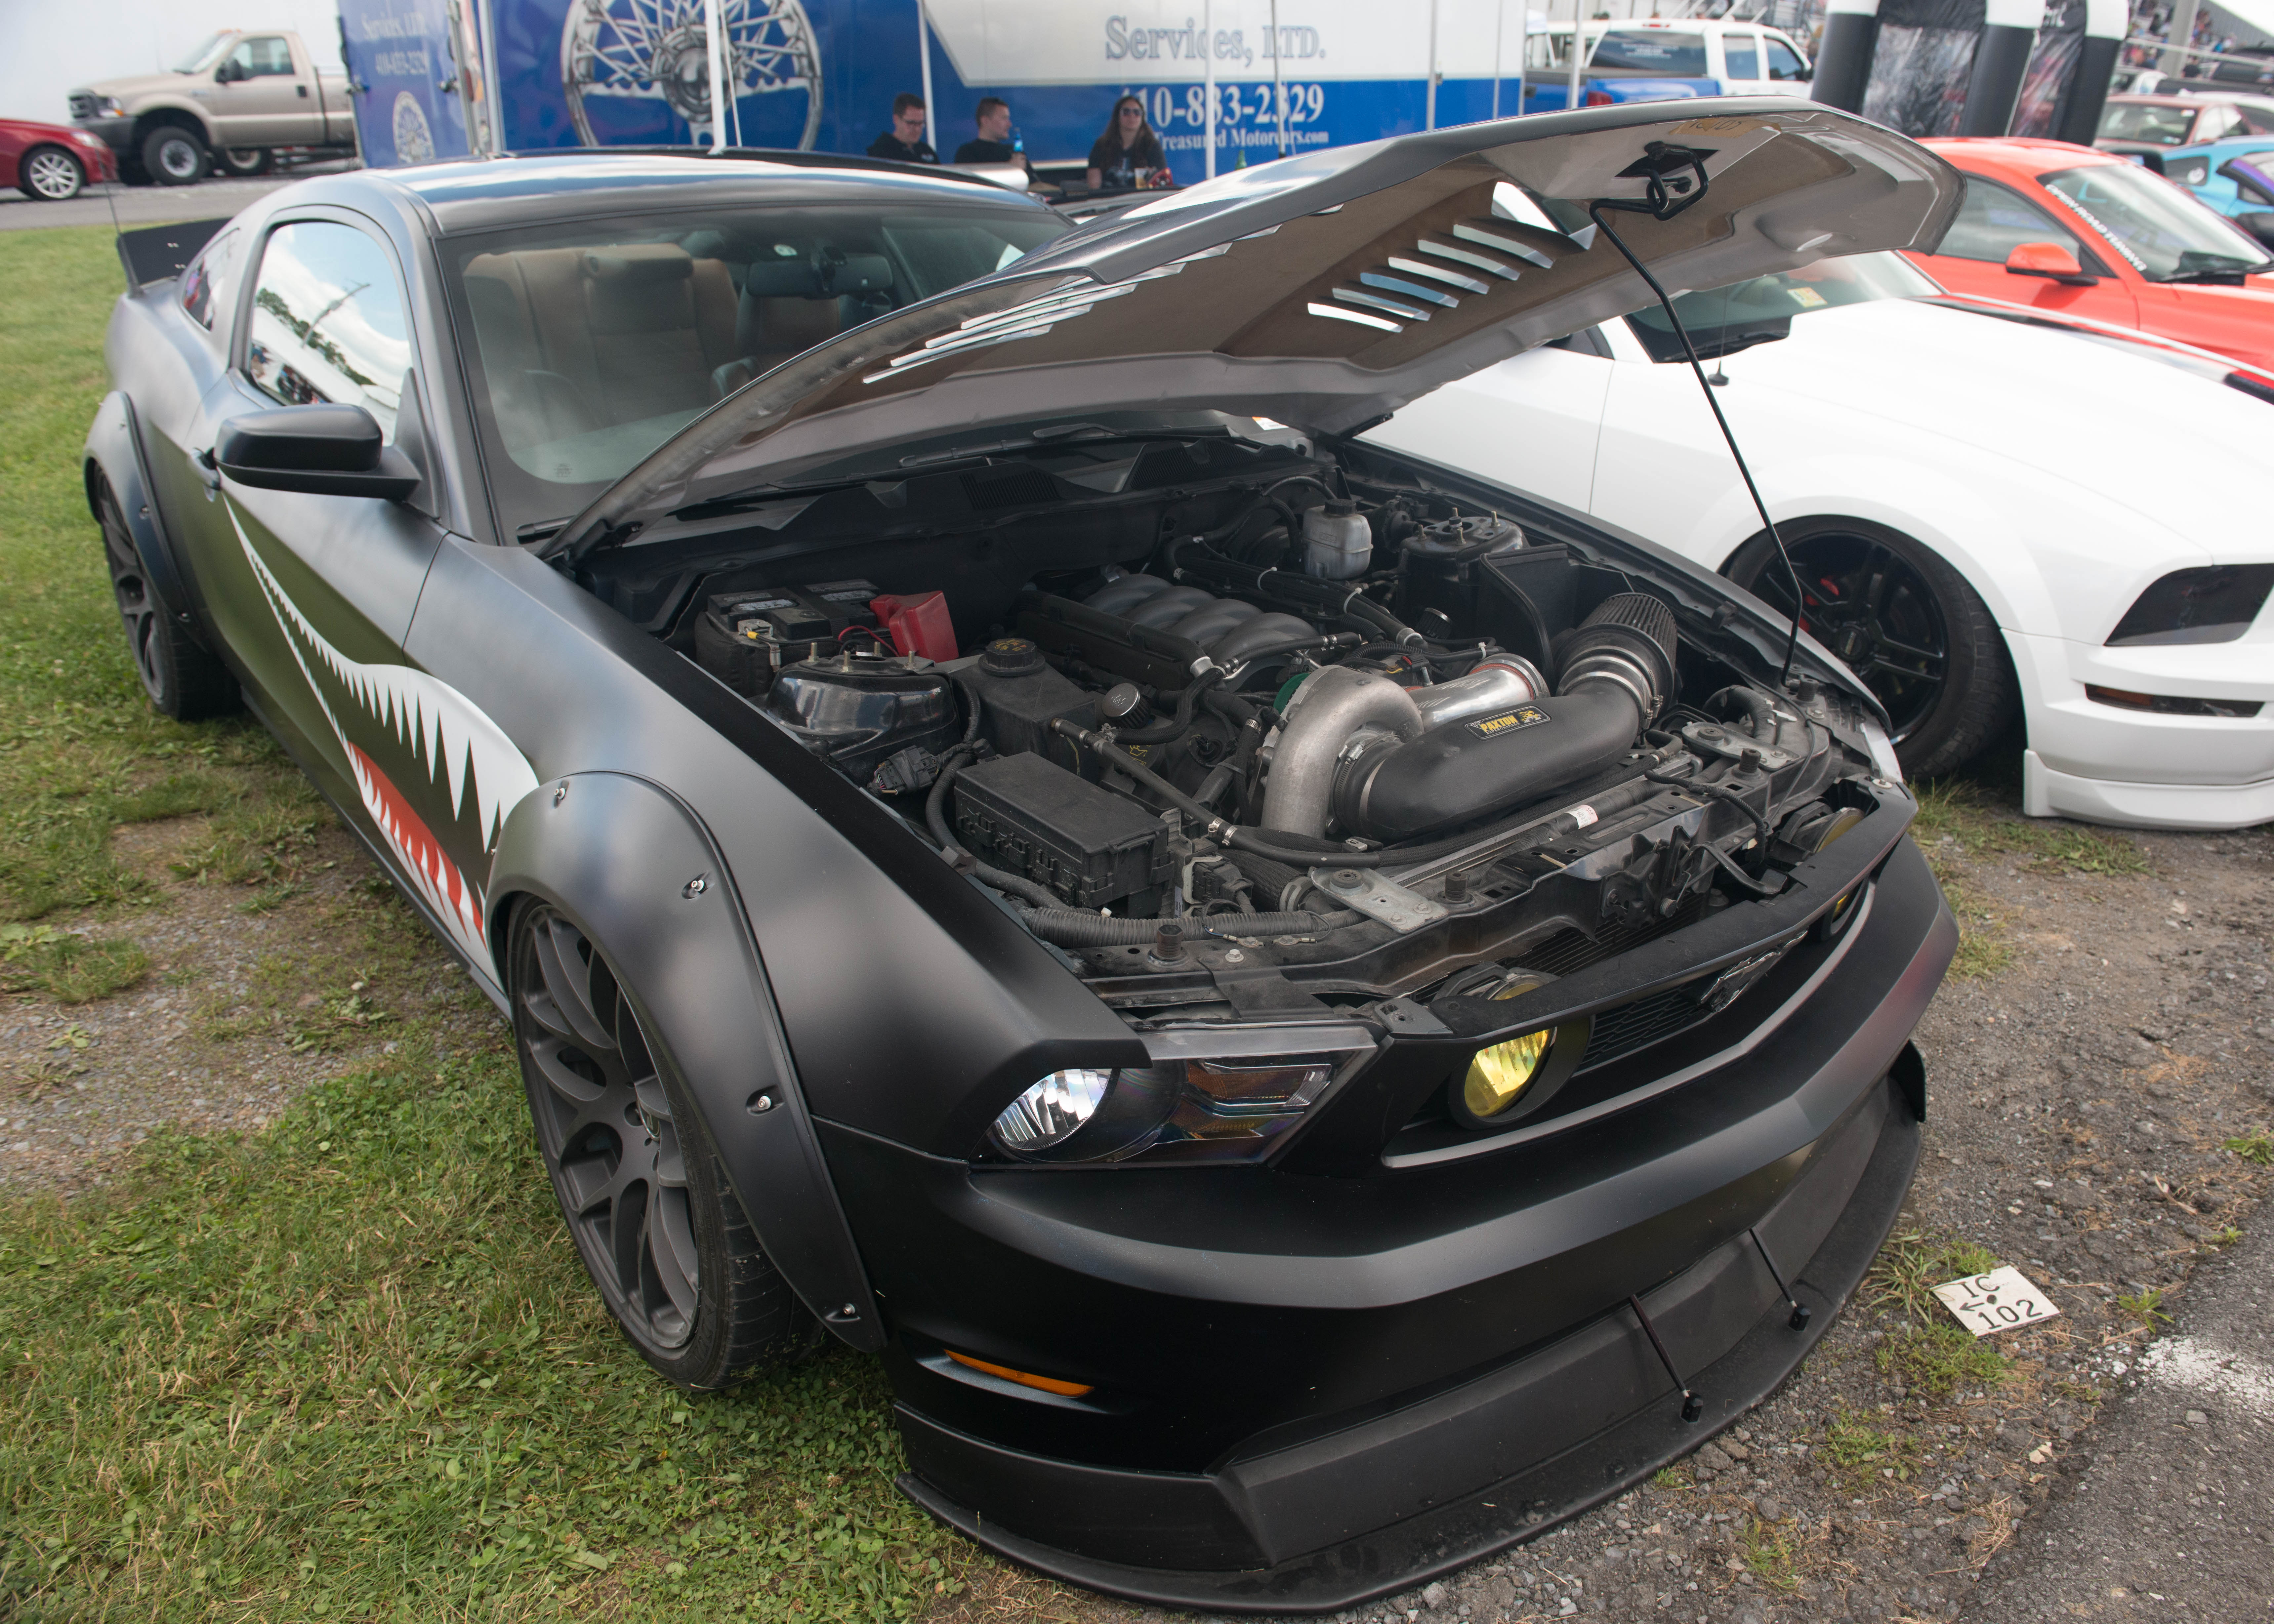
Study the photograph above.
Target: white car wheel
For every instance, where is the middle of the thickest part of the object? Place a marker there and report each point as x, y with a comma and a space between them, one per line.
52, 175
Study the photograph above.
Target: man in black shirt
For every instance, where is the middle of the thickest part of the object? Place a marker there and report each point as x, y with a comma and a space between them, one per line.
993, 144
905, 140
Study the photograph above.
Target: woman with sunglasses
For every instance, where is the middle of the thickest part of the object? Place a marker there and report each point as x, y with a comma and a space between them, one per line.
1128, 153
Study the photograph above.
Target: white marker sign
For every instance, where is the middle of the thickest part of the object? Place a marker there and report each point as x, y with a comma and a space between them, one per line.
2001, 1300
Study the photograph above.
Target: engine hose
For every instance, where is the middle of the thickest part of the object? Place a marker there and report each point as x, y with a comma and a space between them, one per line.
1176, 726
1297, 852
935, 818
1071, 928
1760, 715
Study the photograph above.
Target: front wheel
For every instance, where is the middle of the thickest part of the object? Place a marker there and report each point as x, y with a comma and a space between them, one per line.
636, 1174
51, 174
180, 675
1903, 620
244, 162
175, 157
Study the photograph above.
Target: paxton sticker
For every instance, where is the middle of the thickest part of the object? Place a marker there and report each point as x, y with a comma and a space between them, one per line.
1523, 716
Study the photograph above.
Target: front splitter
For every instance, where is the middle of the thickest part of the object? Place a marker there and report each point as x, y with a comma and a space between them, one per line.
1532, 1501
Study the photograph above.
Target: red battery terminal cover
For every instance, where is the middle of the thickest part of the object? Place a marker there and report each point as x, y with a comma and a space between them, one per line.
917, 623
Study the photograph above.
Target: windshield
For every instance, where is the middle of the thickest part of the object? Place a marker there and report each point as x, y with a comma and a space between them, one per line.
595, 343
2165, 232
1651, 53
1723, 320
208, 52
2146, 120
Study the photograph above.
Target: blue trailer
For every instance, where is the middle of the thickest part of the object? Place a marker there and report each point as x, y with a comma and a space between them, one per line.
821, 74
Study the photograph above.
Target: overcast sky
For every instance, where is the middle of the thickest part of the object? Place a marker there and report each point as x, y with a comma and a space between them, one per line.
52, 46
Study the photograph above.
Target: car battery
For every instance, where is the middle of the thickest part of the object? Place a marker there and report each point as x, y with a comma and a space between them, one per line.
743, 638
1086, 845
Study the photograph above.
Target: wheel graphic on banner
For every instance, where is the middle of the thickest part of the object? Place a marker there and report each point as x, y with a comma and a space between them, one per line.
414, 141
655, 50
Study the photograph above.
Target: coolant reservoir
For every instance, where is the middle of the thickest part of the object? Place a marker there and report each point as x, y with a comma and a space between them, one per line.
1337, 544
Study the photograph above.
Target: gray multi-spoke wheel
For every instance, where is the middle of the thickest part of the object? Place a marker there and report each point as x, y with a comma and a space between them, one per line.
51, 173
638, 1179
176, 156
244, 162
182, 678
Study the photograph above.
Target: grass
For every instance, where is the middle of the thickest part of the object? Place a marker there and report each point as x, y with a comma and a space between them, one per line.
2146, 1306
1938, 1358
2255, 1147
350, 1366
1768, 1556
1862, 1455
1912, 1265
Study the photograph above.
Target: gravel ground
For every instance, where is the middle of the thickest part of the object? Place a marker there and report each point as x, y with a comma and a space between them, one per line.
2079, 1100
2175, 1514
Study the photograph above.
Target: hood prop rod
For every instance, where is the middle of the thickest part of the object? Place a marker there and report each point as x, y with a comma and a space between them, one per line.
1663, 200
1692, 1406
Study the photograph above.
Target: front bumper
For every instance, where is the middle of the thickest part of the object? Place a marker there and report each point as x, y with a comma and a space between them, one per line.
115, 133
1310, 1390
2108, 764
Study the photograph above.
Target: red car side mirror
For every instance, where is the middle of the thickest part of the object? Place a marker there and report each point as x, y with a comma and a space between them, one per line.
2049, 261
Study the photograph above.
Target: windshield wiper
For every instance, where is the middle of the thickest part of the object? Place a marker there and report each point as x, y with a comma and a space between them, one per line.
2214, 269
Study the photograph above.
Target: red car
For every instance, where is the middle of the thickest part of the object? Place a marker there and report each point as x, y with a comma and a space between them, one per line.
2150, 123
51, 162
2070, 230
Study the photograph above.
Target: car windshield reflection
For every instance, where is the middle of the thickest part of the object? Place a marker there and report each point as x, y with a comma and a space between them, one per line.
2167, 235
1724, 320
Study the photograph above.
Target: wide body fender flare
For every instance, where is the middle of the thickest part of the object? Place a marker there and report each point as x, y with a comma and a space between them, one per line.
114, 449
633, 869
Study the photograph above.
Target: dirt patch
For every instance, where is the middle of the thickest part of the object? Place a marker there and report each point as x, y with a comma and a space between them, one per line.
251, 992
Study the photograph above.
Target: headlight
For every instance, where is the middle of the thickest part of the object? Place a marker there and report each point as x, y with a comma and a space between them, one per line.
1211, 1108
108, 107
2214, 605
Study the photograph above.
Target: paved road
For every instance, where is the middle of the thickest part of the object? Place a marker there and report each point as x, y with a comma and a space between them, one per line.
2174, 1515
145, 205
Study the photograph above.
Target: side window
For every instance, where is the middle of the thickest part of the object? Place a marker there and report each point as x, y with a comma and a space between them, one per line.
328, 321
1784, 62
2215, 122
1992, 221
208, 287
1743, 52
261, 57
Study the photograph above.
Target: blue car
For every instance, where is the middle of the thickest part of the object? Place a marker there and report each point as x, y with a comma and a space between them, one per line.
2235, 176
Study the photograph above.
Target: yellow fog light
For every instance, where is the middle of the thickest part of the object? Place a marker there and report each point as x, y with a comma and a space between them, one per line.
1498, 1076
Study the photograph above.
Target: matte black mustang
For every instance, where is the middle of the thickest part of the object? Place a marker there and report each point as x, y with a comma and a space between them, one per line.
1319, 1015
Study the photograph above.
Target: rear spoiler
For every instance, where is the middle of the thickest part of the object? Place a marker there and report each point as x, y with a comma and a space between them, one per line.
156, 252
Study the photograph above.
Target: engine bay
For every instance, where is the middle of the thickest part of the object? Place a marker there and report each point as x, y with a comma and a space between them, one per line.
1248, 731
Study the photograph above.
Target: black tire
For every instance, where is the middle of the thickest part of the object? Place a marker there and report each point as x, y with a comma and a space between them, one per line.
244, 162
181, 676
637, 1173
1903, 620
50, 174
176, 155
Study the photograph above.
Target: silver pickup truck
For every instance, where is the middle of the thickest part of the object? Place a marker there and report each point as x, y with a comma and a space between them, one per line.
235, 102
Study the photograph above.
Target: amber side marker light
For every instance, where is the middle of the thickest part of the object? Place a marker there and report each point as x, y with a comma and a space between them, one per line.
1065, 1389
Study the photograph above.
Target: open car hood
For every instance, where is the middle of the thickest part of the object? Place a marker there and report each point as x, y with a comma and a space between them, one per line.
1322, 291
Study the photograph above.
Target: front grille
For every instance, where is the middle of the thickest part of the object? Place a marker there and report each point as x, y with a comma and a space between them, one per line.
1631, 1026
1569, 951
82, 105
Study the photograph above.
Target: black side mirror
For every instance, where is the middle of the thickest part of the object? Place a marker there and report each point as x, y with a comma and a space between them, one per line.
317, 450
230, 71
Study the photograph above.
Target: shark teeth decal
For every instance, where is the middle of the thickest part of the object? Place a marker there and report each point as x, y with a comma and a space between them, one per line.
469, 764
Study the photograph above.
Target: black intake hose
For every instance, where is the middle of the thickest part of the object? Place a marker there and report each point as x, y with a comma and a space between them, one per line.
1467, 769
